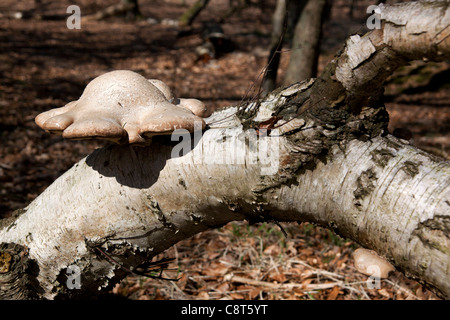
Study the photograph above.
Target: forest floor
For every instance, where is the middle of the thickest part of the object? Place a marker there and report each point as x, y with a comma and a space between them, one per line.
44, 65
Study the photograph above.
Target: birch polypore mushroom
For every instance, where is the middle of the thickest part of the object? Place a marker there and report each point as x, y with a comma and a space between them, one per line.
368, 262
164, 88
196, 106
124, 107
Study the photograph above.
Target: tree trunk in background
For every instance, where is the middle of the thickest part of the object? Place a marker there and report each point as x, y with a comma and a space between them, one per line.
128, 8
189, 16
132, 12
306, 43
284, 20
353, 4
351, 8
276, 43
331, 162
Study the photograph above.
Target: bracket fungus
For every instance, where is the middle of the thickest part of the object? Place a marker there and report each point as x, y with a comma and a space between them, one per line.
124, 107
196, 106
368, 262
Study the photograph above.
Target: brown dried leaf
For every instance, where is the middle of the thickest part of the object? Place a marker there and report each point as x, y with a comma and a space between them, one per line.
334, 293
278, 277
254, 293
224, 287
272, 250
384, 293
203, 295
237, 296
216, 269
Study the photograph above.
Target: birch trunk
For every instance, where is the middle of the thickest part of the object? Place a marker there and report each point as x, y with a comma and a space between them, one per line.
332, 163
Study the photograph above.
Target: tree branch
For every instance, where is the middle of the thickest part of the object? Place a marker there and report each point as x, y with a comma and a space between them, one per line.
332, 163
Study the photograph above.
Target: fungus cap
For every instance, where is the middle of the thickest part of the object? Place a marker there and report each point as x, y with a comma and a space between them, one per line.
121, 106
196, 106
164, 88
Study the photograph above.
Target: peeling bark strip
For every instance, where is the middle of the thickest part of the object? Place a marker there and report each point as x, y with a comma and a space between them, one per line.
366, 184
435, 233
336, 166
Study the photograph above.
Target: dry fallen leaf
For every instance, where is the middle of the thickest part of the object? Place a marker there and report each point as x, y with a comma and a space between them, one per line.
384, 293
224, 287
334, 293
272, 250
216, 269
237, 296
276, 276
203, 295
254, 293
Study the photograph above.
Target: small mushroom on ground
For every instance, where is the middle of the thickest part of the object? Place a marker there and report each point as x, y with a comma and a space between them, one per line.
368, 262
124, 107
